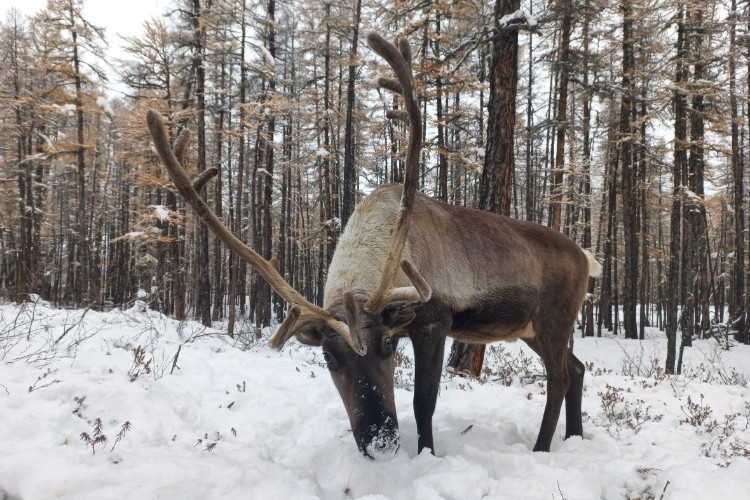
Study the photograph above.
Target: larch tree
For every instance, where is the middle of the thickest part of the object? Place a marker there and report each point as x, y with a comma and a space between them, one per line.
199, 18
155, 69
737, 302
79, 50
263, 297
674, 275
564, 11
629, 174
349, 187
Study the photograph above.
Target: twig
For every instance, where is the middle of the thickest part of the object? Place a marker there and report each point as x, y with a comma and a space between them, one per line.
664, 491
562, 496
470, 427
31, 322
123, 430
73, 325
174, 361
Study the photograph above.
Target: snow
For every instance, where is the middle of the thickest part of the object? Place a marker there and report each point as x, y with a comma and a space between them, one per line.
693, 196
161, 212
385, 444
268, 59
103, 103
518, 17
67, 109
333, 222
232, 418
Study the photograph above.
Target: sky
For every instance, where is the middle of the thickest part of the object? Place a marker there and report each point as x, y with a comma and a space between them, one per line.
119, 18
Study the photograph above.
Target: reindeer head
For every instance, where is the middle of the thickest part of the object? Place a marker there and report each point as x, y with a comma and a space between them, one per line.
364, 378
359, 330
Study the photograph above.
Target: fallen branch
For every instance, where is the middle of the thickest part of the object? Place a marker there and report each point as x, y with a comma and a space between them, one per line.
174, 360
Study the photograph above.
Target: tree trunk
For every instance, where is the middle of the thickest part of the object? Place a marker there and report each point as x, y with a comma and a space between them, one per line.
203, 281
80, 293
629, 178
23, 254
643, 187
676, 223
496, 181
530, 175
696, 169
556, 200
218, 298
442, 166
609, 267
236, 265
263, 305
350, 169
586, 241
737, 299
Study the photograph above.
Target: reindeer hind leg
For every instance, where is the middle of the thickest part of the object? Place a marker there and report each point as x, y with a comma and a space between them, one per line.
573, 418
555, 359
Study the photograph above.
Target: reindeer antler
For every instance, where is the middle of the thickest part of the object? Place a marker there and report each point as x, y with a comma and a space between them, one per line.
399, 59
303, 311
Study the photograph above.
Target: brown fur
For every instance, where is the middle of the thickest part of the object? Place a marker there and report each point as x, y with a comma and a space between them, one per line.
472, 260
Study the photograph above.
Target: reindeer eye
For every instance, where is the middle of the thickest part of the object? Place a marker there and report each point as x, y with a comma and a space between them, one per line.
330, 360
387, 346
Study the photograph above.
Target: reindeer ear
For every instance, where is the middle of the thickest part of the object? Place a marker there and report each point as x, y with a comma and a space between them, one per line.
311, 334
399, 314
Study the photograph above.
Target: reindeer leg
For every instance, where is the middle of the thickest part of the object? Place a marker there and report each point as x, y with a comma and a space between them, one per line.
555, 357
429, 345
573, 419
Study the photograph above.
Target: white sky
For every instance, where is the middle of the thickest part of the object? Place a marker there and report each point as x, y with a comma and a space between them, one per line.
124, 17
117, 17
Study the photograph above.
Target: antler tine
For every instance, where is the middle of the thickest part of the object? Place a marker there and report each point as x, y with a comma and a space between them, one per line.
352, 319
200, 181
405, 49
180, 144
399, 59
423, 289
398, 114
279, 338
391, 84
267, 269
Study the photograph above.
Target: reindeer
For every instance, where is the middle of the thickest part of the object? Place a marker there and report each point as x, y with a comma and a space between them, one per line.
441, 271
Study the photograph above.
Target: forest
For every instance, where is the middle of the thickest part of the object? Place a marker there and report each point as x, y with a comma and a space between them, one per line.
623, 125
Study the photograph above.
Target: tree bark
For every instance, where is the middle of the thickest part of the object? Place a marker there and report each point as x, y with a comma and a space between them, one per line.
676, 223
237, 266
629, 178
263, 306
203, 280
442, 166
737, 299
586, 242
350, 169
556, 200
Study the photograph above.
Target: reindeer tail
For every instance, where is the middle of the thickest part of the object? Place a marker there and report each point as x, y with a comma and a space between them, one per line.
595, 268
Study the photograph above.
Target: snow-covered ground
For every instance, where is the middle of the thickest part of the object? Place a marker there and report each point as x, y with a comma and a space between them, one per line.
234, 419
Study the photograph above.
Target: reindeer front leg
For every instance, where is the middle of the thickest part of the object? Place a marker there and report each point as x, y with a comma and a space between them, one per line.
429, 345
